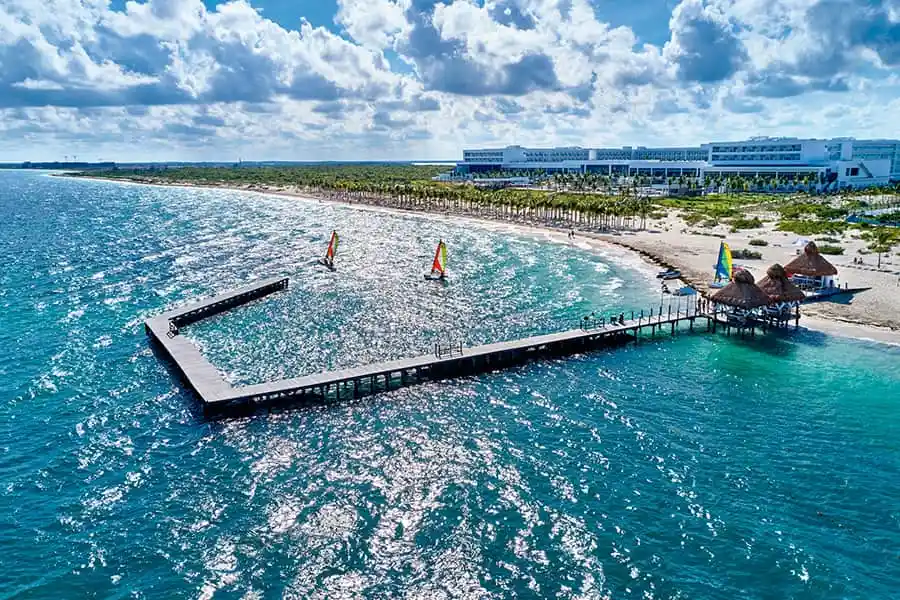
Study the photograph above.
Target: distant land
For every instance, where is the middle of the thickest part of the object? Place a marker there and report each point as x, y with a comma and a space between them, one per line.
254, 164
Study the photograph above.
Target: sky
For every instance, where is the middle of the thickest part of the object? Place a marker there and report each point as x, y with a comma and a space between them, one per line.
423, 79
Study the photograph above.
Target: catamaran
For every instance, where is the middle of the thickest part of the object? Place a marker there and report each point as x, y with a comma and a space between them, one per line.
328, 261
724, 267
439, 264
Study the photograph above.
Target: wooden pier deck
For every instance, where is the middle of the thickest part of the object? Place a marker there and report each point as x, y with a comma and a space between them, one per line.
199, 373
217, 395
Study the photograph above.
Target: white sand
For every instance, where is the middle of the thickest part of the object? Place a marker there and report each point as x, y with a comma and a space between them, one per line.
671, 239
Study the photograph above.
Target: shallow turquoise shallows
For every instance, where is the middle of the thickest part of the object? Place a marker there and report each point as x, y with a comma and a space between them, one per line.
699, 467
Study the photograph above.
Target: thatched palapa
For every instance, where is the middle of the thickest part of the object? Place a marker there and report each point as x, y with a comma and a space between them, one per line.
810, 263
778, 287
742, 292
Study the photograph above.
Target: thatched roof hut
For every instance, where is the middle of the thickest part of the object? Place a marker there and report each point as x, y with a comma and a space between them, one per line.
810, 263
742, 292
778, 287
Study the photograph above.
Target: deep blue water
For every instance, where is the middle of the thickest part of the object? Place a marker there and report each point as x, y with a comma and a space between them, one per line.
697, 467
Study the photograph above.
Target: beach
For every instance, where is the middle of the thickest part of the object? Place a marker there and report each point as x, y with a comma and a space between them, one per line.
671, 243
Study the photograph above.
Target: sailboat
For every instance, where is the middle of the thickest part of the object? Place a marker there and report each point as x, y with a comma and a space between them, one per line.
439, 264
724, 267
328, 260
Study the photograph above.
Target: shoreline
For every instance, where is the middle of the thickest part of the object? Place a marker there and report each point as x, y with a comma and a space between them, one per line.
646, 258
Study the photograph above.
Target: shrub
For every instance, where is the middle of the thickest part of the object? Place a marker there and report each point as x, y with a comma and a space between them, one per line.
692, 218
830, 249
801, 209
746, 254
829, 240
801, 227
759, 243
709, 223
745, 223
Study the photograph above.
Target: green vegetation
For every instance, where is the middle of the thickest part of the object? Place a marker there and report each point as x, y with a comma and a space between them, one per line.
411, 188
312, 175
745, 223
803, 227
801, 210
831, 249
829, 240
583, 200
746, 254
759, 243
693, 218
881, 240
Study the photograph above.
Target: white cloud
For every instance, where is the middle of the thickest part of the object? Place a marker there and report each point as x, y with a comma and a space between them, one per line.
171, 78
372, 23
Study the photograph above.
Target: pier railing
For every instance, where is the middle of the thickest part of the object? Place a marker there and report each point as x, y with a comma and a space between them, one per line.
450, 357
222, 303
692, 307
448, 350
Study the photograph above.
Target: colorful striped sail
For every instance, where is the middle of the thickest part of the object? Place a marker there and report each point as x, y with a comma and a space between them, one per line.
332, 246
725, 266
439, 264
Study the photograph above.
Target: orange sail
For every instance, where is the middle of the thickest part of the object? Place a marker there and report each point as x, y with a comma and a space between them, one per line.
332, 246
440, 256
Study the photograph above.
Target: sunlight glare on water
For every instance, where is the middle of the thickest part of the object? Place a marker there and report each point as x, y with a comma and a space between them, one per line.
694, 467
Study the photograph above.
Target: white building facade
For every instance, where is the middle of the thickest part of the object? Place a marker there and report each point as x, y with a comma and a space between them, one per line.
835, 163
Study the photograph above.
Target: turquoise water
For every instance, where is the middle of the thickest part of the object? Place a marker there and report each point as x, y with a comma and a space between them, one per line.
696, 467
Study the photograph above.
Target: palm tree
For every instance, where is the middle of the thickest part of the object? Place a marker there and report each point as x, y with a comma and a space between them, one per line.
881, 240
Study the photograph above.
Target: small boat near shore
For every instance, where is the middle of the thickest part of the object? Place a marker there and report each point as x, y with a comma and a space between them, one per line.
724, 267
439, 264
328, 259
824, 293
669, 274
685, 291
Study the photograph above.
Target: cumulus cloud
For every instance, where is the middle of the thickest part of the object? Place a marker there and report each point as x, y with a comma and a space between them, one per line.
372, 23
704, 46
436, 75
177, 52
459, 49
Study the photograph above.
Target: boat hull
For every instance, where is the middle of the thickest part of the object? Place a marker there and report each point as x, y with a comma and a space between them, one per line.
831, 292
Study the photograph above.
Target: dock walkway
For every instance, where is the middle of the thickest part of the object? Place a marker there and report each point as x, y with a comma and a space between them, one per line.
217, 395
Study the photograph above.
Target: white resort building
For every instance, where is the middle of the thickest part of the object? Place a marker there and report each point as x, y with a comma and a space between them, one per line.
835, 163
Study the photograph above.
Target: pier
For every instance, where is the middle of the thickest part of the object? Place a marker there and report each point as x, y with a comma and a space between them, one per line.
446, 361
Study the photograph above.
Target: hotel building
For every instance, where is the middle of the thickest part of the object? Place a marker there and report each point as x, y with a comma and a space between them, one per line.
835, 163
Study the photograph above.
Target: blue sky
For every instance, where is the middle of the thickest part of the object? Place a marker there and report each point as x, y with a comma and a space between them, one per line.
406, 79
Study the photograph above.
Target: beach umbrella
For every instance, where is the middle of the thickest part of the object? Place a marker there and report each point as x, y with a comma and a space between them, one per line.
810, 263
779, 287
742, 292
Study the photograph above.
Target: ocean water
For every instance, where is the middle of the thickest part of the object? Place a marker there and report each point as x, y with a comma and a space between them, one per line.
699, 466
